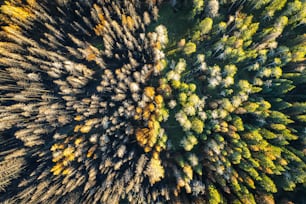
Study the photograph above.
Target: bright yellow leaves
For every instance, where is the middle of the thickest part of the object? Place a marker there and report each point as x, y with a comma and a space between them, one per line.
99, 27
68, 152
78, 118
31, 2
91, 151
62, 155
153, 106
128, 21
152, 137
159, 66
149, 92
158, 99
184, 181
11, 29
57, 147
142, 136
144, 113
90, 53
86, 128
57, 169
62, 158
248, 180
78, 141
147, 137
20, 13
188, 171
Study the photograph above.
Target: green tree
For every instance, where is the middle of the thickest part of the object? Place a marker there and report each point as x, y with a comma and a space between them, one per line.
268, 184
214, 195
198, 6
190, 48
197, 125
205, 25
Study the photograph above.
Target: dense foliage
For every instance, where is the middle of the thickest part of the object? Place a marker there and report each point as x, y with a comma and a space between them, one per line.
146, 102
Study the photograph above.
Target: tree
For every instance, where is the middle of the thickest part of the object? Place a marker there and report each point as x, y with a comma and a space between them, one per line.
205, 25
268, 184
197, 125
9, 170
155, 171
274, 6
190, 48
214, 195
238, 123
212, 8
198, 6
279, 117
